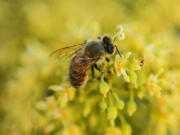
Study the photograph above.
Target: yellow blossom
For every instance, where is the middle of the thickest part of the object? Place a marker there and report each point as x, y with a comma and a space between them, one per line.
152, 85
71, 130
118, 65
104, 88
113, 131
112, 113
131, 107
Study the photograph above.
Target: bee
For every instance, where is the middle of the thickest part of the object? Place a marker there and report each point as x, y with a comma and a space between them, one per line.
85, 56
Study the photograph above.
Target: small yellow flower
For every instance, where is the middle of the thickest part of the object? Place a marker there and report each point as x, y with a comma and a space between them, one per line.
131, 107
118, 65
120, 68
132, 76
120, 104
136, 65
112, 113
140, 93
103, 105
86, 110
113, 131
64, 114
66, 93
56, 87
49, 128
63, 100
51, 103
126, 129
71, 130
70, 93
41, 105
153, 87
104, 88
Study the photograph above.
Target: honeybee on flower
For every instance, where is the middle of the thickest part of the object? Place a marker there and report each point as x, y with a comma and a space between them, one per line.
87, 55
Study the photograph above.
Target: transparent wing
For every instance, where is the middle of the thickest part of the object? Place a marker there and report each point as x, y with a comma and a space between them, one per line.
66, 52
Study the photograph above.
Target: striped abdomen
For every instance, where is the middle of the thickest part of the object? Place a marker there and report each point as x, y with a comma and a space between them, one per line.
79, 68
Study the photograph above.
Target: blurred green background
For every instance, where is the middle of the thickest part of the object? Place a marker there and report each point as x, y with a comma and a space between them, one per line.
31, 29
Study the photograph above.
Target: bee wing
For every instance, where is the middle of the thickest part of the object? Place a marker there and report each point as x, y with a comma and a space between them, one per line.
66, 52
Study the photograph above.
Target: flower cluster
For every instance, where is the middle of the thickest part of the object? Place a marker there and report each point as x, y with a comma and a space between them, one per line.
137, 95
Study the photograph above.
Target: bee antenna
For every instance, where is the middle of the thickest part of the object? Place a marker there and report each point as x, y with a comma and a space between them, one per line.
118, 51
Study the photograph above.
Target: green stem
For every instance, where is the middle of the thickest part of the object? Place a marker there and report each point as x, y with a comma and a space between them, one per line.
131, 95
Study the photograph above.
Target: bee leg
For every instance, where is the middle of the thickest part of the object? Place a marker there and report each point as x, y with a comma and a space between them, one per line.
100, 70
93, 76
107, 59
92, 70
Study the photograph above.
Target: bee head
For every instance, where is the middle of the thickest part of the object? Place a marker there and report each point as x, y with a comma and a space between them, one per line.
108, 45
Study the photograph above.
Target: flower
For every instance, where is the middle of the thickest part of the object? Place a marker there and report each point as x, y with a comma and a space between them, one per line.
120, 104
118, 65
121, 65
65, 93
152, 85
113, 131
103, 105
71, 130
112, 113
131, 107
104, 87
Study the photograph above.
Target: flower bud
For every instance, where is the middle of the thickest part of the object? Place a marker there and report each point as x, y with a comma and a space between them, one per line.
103, 105
132, 76
71, 130
120, 104
70, 94
136, 65
131, 107
41, 105
126, 129
63, 102
86, 110
104, 88
140, 93
49, 128
51, 103
113, 131
112, 113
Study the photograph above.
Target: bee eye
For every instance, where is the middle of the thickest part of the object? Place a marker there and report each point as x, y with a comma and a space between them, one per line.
110, 49
106, 40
